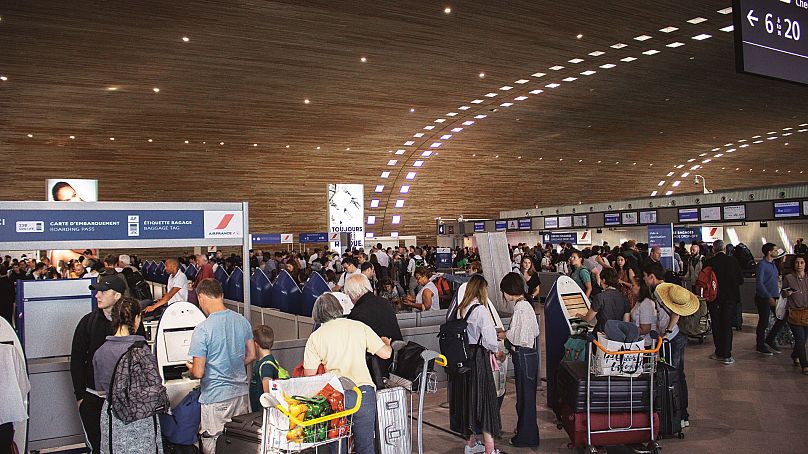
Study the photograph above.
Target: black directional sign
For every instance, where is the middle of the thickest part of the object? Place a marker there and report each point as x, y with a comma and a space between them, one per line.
771, 38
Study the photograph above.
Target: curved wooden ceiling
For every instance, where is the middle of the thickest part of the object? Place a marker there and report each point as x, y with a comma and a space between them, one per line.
235, 92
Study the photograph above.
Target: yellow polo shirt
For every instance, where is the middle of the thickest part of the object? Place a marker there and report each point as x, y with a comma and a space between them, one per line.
340, 345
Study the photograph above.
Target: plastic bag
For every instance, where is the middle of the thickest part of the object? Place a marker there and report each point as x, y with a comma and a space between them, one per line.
781, 309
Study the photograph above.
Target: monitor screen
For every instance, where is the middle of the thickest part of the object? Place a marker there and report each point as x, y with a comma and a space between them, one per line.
611, 219
735, 212
177, 342
564, 222
630, 218
648, 217
579, 221
711, 214
786, 209
688, 215
550, 223
526, 224
501, 225
574, 303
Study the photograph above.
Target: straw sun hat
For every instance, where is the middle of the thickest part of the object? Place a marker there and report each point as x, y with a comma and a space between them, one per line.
678, 299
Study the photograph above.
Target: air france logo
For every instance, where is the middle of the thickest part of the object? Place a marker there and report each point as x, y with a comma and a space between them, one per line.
223, 224
225, 221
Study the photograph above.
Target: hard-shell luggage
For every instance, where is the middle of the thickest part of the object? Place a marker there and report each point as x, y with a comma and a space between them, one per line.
668, 401
574, 423
615, 394
242, 435
393, 421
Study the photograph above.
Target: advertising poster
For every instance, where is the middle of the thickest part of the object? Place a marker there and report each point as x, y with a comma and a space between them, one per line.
71, 190
662, 235
346, 213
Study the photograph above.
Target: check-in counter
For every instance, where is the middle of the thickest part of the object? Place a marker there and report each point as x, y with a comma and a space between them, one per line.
305, 326
431, 318
289, 353
54, 417
284, 325
407, 319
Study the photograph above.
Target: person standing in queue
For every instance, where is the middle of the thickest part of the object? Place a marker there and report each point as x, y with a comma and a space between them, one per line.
767, 290
90, 335
340, 345
722, 311
473, 404
221, 348
205, 269
520, 341
427, 298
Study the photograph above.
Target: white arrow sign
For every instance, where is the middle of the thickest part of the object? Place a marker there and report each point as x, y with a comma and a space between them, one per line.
752, 19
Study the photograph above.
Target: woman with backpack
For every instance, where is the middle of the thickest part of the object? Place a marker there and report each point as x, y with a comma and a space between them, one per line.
142, 435
473, 405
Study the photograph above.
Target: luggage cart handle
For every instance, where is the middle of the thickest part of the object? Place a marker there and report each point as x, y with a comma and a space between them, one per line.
628, 352
441, 361
325, 418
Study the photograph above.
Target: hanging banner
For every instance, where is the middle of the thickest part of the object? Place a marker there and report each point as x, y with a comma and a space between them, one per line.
346, 213
582, 237
662, 236
686, 234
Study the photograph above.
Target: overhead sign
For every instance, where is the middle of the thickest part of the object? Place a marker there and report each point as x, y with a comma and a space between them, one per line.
712, 234
286, 238
610, 219
501, 225
513, 224
266, 238
662, 236
769, 40
314, 237
688, 215
786, 209
100, 225
584, 237
346, 213
479, 227
525, 224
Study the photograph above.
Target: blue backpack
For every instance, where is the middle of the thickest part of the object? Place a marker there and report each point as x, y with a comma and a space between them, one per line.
182, 426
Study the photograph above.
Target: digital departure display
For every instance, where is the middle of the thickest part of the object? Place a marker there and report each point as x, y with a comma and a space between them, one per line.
769, 40
579, 221
630, 218
786, 210
648, 217
734, 212
711, 214
688, 215
611, 219
564, 222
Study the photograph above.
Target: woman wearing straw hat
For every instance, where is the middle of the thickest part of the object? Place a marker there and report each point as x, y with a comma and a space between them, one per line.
673, 301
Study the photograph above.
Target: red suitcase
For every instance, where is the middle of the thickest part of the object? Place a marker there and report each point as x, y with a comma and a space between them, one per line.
575, 425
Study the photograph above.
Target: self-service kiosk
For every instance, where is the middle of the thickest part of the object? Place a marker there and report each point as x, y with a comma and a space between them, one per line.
564, 301
172, 341
11, 358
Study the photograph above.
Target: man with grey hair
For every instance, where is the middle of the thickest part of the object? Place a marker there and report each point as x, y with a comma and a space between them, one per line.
722, 311
340, 345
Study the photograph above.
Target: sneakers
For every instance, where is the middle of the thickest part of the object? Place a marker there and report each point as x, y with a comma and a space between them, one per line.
764, 351
716, 357
478, 448
685, 423
773, 348
728, 361
796, 361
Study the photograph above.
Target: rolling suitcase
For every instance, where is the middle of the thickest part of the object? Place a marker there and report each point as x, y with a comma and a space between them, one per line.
668, 401
607, 393
392, 421
574, 423
242, 435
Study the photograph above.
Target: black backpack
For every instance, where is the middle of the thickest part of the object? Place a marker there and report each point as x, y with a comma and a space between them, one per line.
138, 286
454, 342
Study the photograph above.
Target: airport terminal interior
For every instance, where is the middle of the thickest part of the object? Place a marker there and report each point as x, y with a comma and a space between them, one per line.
394, 227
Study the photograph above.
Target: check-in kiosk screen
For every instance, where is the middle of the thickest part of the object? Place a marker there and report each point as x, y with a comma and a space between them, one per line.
177, 342
574, 303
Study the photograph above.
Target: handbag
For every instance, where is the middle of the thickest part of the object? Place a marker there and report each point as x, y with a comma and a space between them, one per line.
781, 308
798, 316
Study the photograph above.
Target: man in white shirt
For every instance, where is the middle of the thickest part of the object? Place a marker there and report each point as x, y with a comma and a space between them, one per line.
177, 288
349, 267
384, 259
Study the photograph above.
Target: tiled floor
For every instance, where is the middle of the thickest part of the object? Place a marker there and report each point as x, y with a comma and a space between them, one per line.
758, 405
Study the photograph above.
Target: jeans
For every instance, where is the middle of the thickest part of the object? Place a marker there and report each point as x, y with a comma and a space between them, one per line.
526, 368
90, 412
766, 310
722, 317
800, 336
364, 422
678, 345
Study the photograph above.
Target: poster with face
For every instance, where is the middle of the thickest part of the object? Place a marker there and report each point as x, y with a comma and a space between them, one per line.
72, 190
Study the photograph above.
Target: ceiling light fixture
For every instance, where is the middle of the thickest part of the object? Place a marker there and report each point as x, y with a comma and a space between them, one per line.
627, 59
150, 140
579, 36
728, 28
642, 38
618, 46
111, 138
3, 78
30, 136
363, 59
481, 75
156, 90
185, 39
597, 53
702, 37
306, 101
72, 137
697, 20
668, 29
447, 10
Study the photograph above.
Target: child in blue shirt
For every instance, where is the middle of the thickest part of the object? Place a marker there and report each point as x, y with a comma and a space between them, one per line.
266, 368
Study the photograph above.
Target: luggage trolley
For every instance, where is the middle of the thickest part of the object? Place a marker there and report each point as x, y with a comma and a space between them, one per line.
273, 435
427, 383
649, 362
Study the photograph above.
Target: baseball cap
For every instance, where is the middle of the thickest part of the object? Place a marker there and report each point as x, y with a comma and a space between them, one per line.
109, 282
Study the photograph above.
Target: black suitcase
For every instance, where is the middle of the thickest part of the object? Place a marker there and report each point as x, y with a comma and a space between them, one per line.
615, 394
241, 435
670, 411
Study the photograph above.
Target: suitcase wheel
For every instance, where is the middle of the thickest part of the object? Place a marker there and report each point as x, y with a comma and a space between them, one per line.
680, 435
559, 426
593, 450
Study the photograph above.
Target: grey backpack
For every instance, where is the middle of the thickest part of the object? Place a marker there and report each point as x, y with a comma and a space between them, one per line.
137, 389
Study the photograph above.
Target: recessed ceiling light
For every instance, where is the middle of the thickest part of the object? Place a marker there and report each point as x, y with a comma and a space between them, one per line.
468, 123
440, 120
287, 146
676, 183
627, 59
597, 53
418, 163
392, 162
156, 90
371, 220
557, 68
480, 116
221, 143
112, 88
409, 143
668, 192
306, 101
410, 176
400, 152
385, 174
497, 156
661, 183
111, 138
651, 52
588, 73
553, 85
518, 157
490, 95
463, 108
446, 137
255, 144
575, 61
30, 136
429, 127
728, 28
608, 66
426, 153
697, 20
536, 92
520, 98
72, 137
618, 46
457, 129
538, 74
670, 174
400, 203
642, 38
150, 141
185, 39
702, 37
374, 203
579, 36
506, 88
418, 135
318, 148
435, 145
653, 193
521, 81
569, 79
363, 59
506, 104
727, 10
668, 29
447, 10
186, 141
477, 101
379, 188
674, 45
3, 78
405, 188
481, 75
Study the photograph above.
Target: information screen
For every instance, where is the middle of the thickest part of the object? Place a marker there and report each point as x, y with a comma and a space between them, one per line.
526, 224
501, 225
177, 342
550, 223
630, 218
770, 38
711, 214
564, 221
611, 219
786, 209
734, 212
579, 221
688, 215
648, 217
479, 227
574, 303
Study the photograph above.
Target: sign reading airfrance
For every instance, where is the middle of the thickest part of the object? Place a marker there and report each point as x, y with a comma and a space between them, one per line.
662, 236
88, 225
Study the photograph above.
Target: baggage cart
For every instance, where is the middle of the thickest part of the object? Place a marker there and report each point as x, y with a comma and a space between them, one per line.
631, 422
275, 430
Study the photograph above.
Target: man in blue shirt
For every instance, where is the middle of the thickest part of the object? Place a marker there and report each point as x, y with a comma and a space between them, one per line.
221, 348
767, 290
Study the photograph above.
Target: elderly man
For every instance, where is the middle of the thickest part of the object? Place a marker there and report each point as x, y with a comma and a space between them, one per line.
205, 269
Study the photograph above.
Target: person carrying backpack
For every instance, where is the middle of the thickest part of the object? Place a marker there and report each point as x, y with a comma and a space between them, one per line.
266, 368
473, 401
722, 309
126, 371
